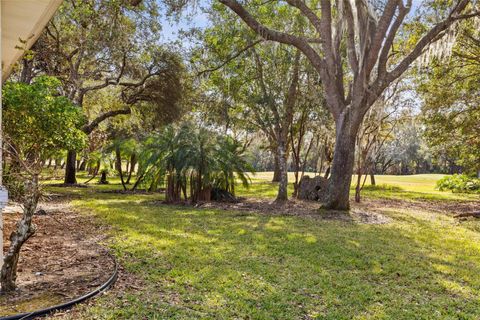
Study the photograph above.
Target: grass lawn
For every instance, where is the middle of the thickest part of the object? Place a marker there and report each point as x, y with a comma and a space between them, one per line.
218, 264
411, 187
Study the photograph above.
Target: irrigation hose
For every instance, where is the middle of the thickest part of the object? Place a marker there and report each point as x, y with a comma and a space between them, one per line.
69, 304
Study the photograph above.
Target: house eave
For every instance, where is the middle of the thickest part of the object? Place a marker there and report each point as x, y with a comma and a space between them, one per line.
22, 23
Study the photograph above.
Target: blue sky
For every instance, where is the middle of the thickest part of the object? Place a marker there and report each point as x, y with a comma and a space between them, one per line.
196, 18
192, 17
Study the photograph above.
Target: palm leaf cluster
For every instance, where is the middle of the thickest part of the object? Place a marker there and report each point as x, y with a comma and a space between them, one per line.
191, 162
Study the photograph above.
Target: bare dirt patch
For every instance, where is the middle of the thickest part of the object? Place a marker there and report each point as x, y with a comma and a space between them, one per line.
62, 261
450, 208
295, 207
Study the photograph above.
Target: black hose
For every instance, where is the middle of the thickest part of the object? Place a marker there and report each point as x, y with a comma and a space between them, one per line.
69, 304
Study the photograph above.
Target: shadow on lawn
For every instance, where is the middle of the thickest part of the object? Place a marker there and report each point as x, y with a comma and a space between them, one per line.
222, 264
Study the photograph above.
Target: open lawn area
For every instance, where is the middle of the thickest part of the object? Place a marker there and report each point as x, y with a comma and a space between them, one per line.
181, 262
410, 187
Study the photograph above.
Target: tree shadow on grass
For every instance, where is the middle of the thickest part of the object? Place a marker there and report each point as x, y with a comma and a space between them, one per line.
219, 264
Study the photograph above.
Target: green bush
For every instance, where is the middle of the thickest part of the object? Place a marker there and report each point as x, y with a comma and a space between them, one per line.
459, 183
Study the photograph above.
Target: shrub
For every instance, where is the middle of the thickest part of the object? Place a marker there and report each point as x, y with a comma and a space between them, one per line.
459, 183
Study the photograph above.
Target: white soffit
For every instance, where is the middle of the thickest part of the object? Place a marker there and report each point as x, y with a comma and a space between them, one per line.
25, 20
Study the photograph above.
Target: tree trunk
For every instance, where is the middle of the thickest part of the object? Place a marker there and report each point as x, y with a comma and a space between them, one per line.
295, 183
137, 182
282, 164
70, 168
83, 165
25, 229
342, 165
133, 162
358, 187
276, 169
118, 164
372, 179
103, 177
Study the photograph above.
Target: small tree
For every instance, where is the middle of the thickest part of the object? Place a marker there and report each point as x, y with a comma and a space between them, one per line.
37, 122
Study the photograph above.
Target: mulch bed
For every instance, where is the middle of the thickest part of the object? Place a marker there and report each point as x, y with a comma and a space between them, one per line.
62, 261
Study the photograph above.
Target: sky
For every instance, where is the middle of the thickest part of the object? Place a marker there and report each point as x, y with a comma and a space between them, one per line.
190, 18
196, 18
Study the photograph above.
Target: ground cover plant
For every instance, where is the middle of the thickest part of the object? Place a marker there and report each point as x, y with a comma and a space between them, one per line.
459, 183
208, 263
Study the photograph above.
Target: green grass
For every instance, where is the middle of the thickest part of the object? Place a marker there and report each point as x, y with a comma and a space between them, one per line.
217, 264
411, 187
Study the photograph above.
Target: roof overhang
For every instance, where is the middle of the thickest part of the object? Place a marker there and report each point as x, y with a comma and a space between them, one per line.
22, 20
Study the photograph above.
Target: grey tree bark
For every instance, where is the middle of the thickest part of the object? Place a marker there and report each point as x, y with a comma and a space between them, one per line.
282, 194
25, 229
276, 167
342, 165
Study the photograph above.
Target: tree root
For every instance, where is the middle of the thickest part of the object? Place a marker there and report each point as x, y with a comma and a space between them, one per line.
468, 214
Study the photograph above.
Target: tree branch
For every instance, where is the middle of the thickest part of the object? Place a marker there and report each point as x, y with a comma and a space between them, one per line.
307, 12
268, 34
94, 124
382, 62
232, 57
351, 50
380, 33
425, 41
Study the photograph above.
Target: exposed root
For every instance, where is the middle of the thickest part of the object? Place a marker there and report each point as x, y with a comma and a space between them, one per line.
468, 214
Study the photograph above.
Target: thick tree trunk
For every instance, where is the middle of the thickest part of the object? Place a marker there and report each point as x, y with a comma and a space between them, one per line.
282, 164
342, 165
276, 169
25, 229
372, 179
70, 168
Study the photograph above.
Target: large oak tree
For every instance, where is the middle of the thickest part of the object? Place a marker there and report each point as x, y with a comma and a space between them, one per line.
94, 44
353, 52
